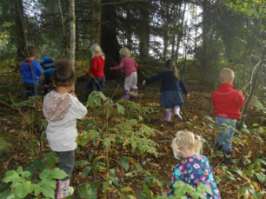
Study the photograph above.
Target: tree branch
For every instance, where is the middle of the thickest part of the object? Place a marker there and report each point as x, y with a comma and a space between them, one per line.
124, 2
252, 84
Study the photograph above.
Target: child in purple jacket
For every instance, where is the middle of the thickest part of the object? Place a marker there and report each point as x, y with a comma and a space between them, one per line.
193, 169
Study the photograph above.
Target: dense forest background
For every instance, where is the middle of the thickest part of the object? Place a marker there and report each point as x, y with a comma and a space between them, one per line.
204, 34
124, 148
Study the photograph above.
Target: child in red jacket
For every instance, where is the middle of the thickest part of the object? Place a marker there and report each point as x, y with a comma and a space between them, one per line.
96, 71
227, 103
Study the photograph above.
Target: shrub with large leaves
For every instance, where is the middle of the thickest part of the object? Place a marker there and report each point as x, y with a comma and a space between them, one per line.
21, 183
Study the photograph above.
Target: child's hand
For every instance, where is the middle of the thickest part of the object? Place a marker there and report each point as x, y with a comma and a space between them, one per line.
241, 92
72, 90
143, 82
87, 73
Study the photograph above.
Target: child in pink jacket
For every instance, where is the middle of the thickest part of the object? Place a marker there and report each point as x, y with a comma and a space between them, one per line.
129, 67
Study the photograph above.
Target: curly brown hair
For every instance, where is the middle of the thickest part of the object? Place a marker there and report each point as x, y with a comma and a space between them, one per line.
64, 73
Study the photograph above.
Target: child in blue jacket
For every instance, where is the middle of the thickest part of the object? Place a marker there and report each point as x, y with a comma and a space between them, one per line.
30, 71
172, 90
48, 67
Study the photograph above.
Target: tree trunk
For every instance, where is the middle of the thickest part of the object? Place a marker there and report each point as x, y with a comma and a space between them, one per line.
144, 36
128, 29
207, 57
96, 21
71, 26
165, 42
21, 38
62, 20
109, 39
181, 25
166, 32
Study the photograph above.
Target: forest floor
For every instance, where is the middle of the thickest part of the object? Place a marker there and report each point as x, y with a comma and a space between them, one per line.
244, 177
248, 146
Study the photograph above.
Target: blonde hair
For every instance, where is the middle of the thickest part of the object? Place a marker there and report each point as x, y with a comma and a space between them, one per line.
96, 49
186, 140
172, 66
176, 72
227, 75
125, 52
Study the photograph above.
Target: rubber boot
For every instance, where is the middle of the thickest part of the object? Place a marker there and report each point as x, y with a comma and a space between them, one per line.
168, 115
63, 189
126, 95
177, 112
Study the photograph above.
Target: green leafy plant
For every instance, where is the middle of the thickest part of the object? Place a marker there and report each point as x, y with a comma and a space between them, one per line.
21, 184
117, 128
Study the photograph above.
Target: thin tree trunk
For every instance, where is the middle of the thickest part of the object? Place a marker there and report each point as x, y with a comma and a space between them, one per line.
176, 25
181, 26
71, 25
145, 31
62, 18
166, 32
165, 42
96, 21
173, 45
21, 38
253, 86
129, 30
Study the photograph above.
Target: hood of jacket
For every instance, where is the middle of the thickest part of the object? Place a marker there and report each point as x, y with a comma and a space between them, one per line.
56, 105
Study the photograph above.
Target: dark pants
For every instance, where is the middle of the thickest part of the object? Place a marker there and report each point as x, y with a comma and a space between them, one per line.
67, 161
47, 86
31, 89
96, 84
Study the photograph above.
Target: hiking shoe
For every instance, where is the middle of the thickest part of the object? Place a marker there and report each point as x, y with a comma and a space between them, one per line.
68, 192
218, 147
228, 157
63, 189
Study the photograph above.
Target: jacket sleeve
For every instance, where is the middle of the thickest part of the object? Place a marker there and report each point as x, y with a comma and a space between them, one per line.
120, 66
22, 71
136, 65
241, 99
154, 78
93, 66
176, 176
77, 109
183, 88
38, 69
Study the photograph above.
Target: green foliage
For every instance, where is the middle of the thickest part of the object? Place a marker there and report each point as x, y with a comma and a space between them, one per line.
252, 174
96, 99
131, 133
182, 190
87, 191
4, 144
252, 8
117, 129
21, 183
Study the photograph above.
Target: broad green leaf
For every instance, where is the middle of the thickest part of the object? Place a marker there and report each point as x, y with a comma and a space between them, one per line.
86, 191
124, 162
21, 190
11, 176
120, 109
